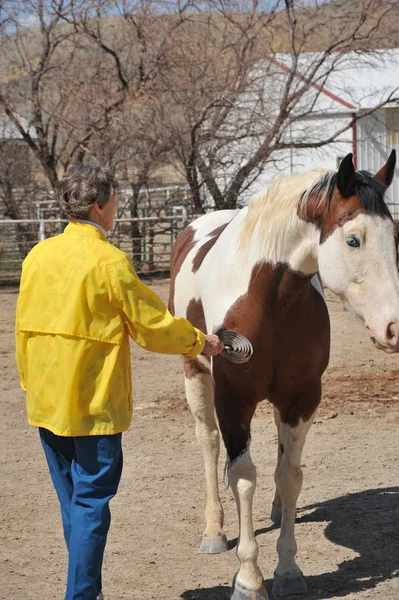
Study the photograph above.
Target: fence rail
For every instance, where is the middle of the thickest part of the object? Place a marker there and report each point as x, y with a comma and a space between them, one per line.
147, 240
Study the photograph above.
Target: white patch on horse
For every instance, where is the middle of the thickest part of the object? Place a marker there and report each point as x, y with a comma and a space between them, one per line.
199, 393
352, 273
289, 482
242, 480
205, 362
204, 225
226, 271
186, 287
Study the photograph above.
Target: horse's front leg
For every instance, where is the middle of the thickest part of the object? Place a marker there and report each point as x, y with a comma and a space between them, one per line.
288, 578
275, 515
235, 427
200, 398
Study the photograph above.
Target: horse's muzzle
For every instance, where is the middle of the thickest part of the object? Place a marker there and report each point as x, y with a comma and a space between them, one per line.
390, 344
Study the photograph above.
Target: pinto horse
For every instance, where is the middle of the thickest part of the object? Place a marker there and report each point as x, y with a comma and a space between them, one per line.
255, 271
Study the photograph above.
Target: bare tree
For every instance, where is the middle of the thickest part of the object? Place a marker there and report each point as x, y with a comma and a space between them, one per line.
18, 192
134, 38
134, 146
232, 102
68, 67
35, 87
201, 86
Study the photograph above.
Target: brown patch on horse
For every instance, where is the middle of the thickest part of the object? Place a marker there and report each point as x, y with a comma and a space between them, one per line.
328, 216
219, 229
287, 322
204, 249
184, 243
193, 367
338, 198
195, 314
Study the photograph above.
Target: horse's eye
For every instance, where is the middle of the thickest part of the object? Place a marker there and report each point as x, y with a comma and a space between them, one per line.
353, 241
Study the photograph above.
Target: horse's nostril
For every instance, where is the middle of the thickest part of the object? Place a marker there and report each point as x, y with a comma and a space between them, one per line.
392, 333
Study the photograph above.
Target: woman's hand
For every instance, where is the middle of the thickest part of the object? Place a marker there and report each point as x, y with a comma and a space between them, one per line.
213, 346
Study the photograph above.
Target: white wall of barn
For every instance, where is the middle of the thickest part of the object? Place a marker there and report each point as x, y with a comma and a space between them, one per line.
294, 161
376, 136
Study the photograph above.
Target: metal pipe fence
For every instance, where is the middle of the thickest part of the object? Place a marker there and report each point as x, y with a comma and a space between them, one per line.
147, 240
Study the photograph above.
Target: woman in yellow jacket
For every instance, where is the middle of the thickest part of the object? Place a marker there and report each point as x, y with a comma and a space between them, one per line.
79, 301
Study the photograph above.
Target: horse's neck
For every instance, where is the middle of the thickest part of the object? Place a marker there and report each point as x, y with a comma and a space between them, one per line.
287, 239
235, 264
274, 286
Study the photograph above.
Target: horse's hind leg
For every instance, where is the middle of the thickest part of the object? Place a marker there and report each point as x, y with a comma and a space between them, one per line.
288, 578
200, 397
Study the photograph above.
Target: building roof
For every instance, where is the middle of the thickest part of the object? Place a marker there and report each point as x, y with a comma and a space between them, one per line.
358, 81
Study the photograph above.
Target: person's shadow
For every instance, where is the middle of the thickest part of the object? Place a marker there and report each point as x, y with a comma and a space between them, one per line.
366, 522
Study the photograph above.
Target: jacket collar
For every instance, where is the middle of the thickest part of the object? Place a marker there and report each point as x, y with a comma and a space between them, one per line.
86, 228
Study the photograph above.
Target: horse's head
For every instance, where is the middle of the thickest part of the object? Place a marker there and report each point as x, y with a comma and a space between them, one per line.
358, 250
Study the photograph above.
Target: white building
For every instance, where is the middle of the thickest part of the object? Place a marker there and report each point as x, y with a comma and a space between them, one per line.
362, 82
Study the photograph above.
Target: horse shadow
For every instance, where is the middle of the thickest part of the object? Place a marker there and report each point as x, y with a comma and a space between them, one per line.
366, 522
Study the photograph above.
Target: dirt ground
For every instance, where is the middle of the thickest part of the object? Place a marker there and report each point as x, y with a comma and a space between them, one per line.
348, 517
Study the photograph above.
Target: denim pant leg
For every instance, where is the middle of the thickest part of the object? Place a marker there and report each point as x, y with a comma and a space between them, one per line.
96, 472
59, 452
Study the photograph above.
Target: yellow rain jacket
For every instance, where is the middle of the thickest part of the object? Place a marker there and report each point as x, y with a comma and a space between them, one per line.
79, 301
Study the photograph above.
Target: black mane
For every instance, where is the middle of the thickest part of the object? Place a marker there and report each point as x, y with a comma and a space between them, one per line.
369, 190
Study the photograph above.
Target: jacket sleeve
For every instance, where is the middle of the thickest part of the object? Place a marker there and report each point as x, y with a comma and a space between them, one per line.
149, 321
19, 354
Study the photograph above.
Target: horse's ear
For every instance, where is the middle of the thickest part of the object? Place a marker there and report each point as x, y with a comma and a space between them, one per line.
346, 177
385, 175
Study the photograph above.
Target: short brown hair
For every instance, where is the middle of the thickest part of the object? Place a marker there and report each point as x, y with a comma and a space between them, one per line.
84, 184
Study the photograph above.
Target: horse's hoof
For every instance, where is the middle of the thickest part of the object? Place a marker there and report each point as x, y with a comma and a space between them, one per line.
276, 514
238, 592
288, 586
214, 545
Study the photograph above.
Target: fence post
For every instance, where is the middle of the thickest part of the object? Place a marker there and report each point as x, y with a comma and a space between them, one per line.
42, 230
184, 216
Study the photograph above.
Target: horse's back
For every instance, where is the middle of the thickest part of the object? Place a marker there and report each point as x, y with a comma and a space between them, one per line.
189, 250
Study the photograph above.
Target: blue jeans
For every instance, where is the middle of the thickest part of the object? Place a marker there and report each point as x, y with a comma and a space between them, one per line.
86, 472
